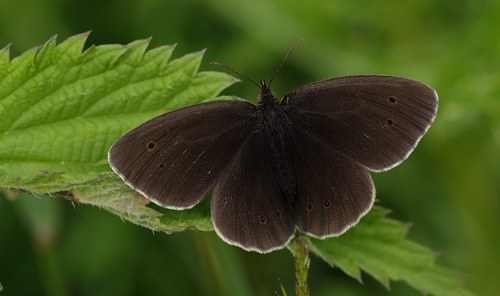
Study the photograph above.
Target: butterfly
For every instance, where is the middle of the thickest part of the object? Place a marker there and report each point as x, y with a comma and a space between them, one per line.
301, 162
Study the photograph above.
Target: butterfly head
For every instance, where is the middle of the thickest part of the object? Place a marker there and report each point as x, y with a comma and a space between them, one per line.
266, 96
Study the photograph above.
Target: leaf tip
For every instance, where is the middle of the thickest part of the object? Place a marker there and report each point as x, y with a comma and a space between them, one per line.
200, 52
52, 39
359, 279
387, 285
7, 47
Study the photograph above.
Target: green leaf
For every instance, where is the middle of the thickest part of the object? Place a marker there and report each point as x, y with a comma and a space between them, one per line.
61, 109
377, 245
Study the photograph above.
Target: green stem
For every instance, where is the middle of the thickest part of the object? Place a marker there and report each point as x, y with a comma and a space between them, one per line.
301, 266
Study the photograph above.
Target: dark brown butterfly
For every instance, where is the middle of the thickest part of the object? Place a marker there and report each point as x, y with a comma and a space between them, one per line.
299, 162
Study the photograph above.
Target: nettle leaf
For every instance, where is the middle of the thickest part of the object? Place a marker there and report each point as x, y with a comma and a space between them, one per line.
378, 246
61, 108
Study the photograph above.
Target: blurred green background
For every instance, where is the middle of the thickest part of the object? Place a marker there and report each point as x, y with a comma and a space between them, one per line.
449, 189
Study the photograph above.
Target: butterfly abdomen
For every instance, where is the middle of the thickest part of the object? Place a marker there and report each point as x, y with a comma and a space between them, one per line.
274, 127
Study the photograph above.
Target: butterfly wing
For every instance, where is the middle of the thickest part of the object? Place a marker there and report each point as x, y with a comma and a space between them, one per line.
175, 158
350, 124
248, 208
374, 120
333, 192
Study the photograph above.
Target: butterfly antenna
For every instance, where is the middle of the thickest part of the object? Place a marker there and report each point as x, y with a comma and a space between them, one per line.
286, 57
236, 72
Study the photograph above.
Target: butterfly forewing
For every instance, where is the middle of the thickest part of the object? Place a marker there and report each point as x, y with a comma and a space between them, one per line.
248, 207
175, 158
375, 120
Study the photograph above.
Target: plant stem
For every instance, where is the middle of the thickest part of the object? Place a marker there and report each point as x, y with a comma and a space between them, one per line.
301, 267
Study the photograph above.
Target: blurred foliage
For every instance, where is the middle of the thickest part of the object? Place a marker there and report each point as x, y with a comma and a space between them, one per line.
448, 189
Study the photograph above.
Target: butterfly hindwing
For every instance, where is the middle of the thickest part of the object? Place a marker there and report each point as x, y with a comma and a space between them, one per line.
248, 208
175, 158
333, 192
374, 120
